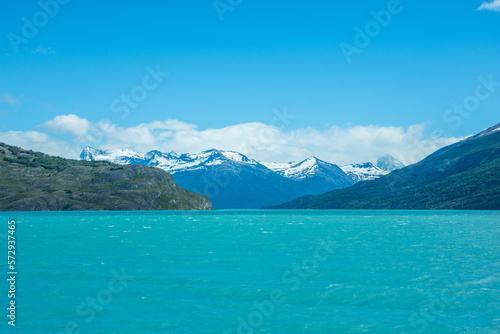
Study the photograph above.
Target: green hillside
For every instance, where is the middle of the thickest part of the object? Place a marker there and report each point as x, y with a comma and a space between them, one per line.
463, 176
33, 181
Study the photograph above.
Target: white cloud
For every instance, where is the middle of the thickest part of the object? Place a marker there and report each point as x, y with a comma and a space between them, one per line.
493, 6
10, 99
340, 145
170, 124
68, 124
38, 141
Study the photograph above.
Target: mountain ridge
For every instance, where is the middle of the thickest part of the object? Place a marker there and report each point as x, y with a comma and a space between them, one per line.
33, 181
234, 181
464, 175
292, 170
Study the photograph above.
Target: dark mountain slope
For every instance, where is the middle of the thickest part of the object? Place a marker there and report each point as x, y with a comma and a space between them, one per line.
465, 175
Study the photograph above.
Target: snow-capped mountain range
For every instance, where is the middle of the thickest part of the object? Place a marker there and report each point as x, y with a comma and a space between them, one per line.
252, 182
170, 162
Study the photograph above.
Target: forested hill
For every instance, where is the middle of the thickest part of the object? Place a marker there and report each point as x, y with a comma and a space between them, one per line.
465, 175
33, 181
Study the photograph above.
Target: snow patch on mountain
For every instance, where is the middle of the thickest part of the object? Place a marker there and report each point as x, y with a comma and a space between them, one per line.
363, 172
170, 162
278, 166
488, 131
389, 163
305, 169
301, 170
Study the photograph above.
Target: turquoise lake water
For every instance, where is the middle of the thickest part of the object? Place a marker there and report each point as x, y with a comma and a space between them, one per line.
255, 272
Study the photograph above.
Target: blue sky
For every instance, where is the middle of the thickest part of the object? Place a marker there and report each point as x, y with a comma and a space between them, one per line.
260, 58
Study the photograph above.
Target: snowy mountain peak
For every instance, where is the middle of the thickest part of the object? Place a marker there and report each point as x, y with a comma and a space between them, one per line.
170, 162
89, 152
306, 163
301, 170
156, 153
230, 156
363, 171
389, 163
306, 169
128, 152
369, 171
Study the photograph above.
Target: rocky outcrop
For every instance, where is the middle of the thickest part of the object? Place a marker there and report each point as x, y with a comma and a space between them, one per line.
33, 181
